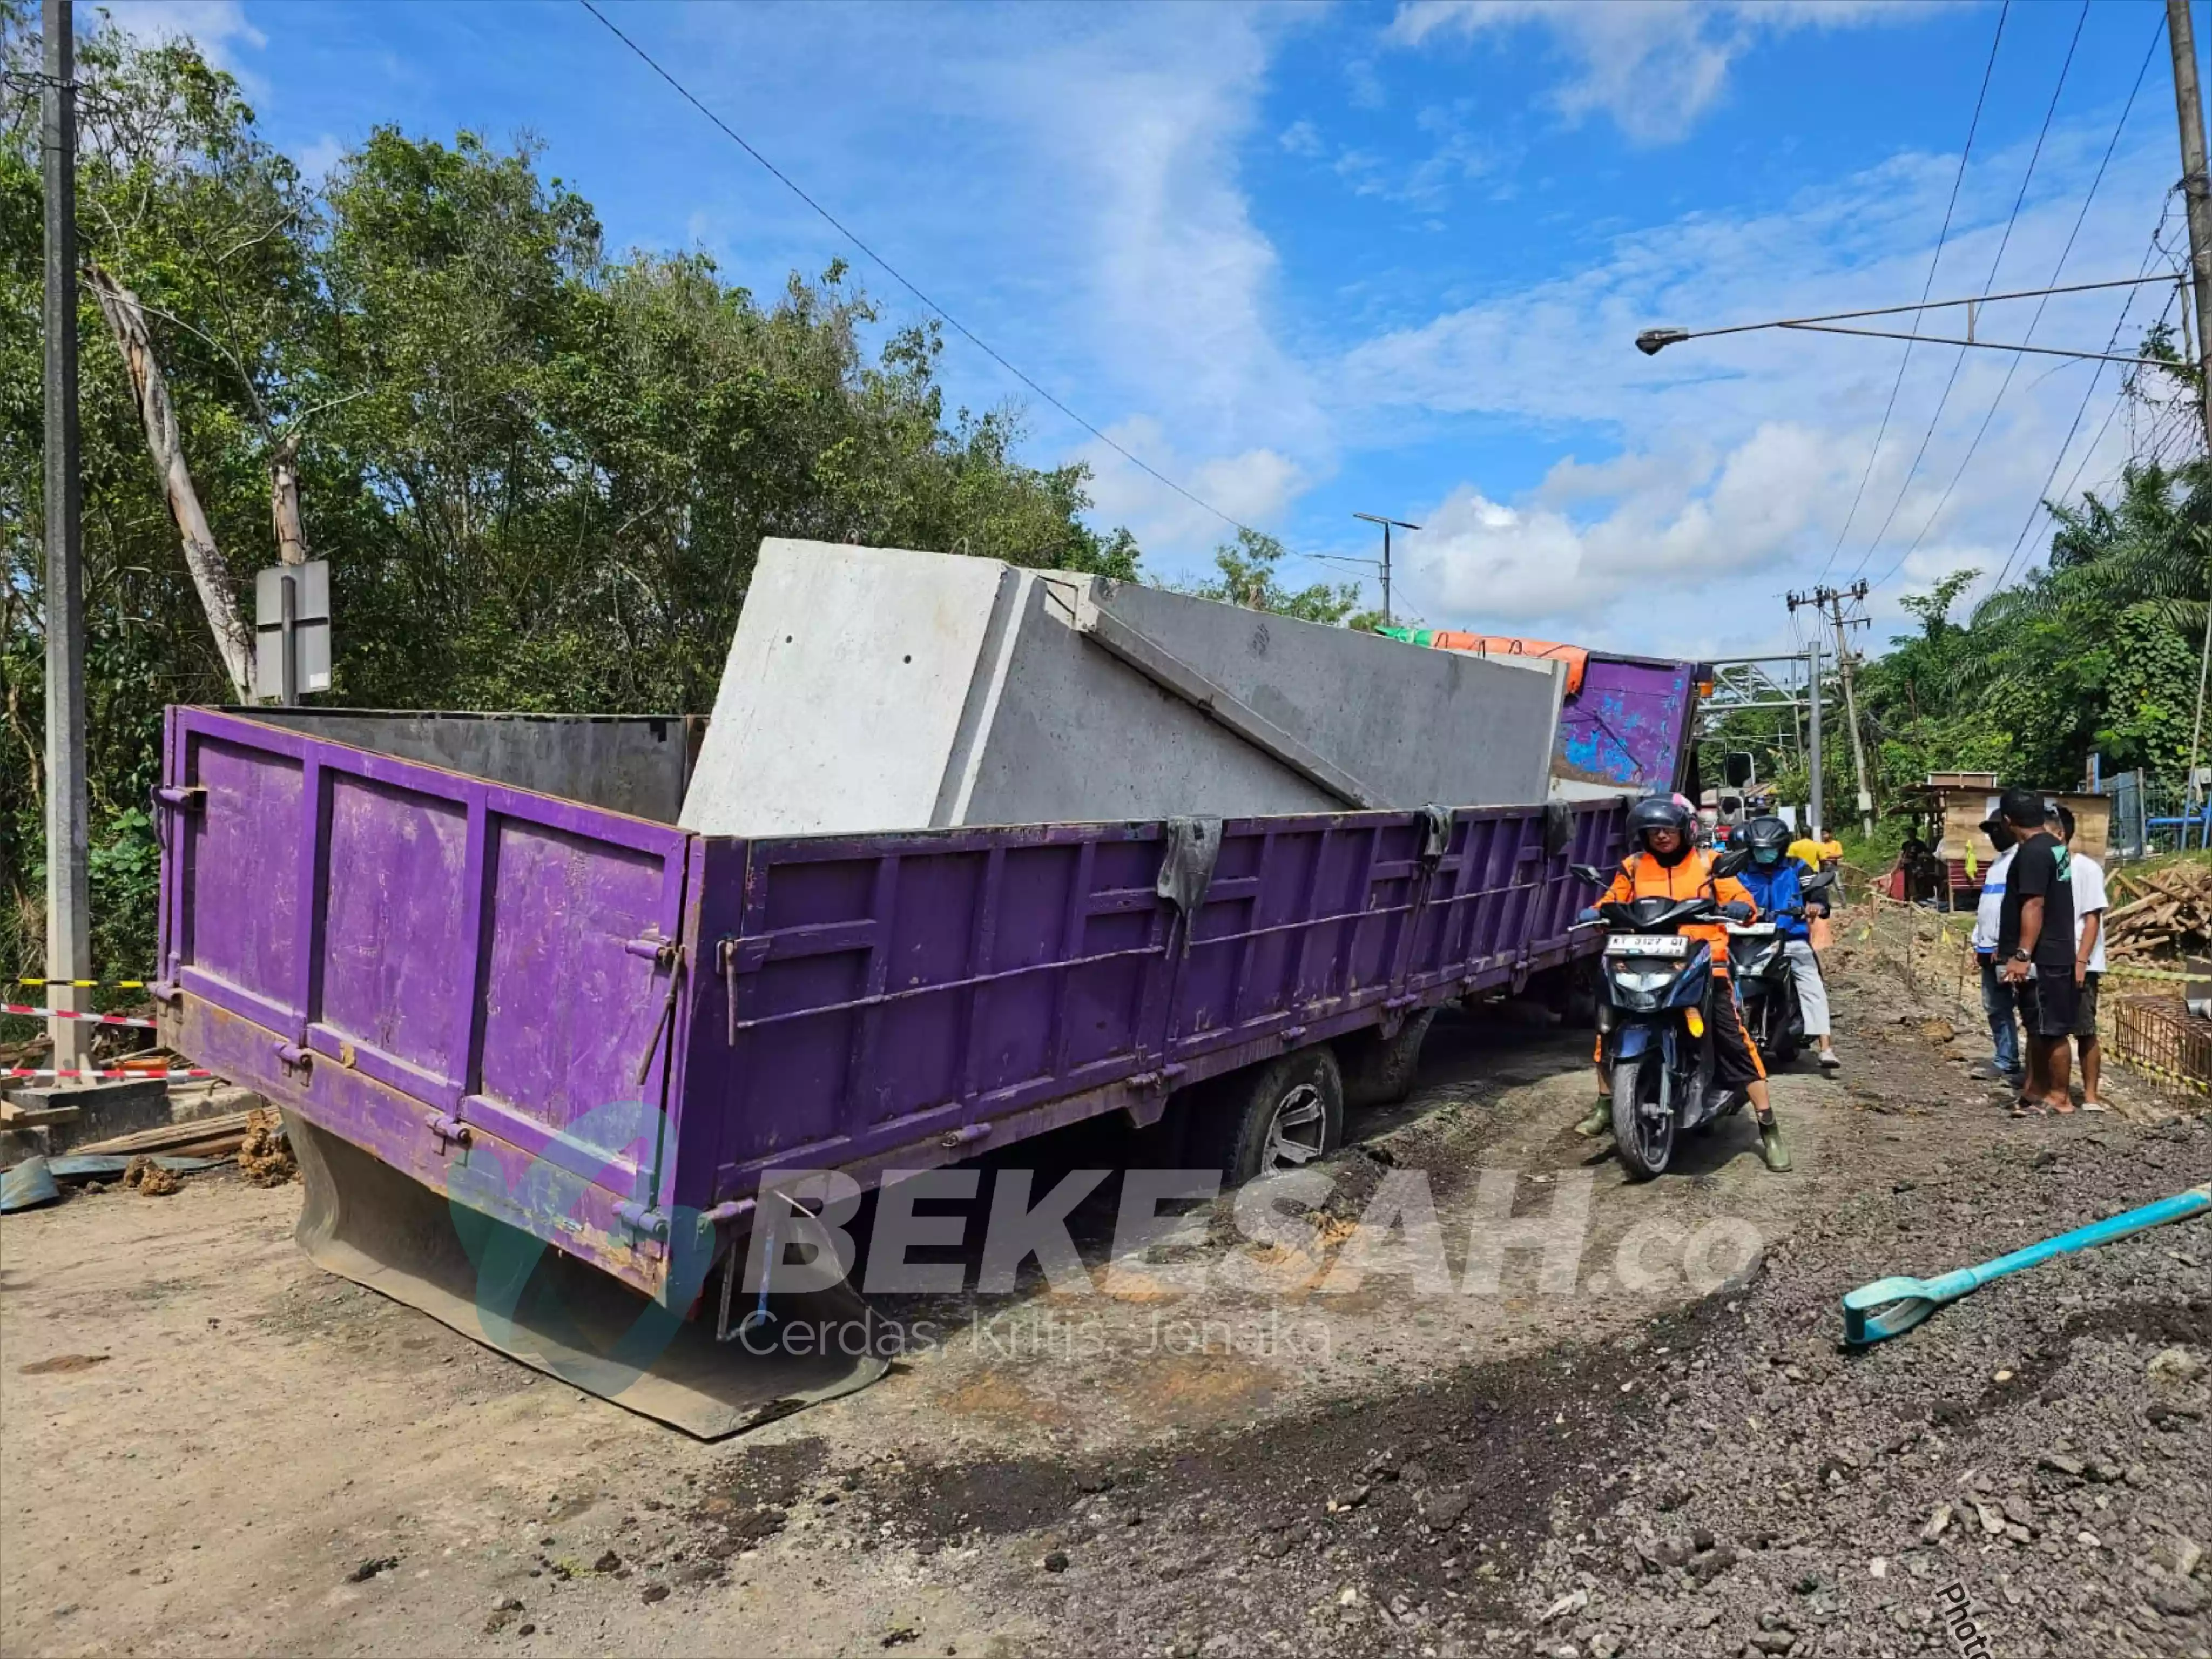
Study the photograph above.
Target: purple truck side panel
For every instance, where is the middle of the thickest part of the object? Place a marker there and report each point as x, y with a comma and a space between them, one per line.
1629, 723
464, 977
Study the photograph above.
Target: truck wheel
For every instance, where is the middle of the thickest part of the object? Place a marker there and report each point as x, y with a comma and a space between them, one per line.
1643, 1142
1379, 1071
1280, 1116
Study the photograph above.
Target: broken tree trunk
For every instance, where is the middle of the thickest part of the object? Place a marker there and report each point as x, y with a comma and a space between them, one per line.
284, 500
126, 321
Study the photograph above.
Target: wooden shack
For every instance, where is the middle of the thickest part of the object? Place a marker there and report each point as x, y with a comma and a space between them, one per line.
1956, 804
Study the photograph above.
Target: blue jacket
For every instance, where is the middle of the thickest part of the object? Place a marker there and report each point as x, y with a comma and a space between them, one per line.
1774, 888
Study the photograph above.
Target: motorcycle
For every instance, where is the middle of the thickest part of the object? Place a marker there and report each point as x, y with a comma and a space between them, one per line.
1760, 956
1655, 1019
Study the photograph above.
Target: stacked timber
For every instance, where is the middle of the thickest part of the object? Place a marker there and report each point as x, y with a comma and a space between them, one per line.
2159, 912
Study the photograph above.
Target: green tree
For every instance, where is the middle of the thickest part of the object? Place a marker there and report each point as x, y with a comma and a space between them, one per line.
540, 471
1246, 575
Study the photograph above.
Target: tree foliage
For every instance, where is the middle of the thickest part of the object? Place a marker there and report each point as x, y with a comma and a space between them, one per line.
540, 470
1247, 575
2097, 651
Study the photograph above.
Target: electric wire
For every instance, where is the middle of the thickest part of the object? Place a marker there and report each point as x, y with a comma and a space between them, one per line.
899, 276
2003, 242
1926, 289
2042, 497
2080, 219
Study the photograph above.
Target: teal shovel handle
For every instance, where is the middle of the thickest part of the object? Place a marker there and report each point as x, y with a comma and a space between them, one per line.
1890, 1307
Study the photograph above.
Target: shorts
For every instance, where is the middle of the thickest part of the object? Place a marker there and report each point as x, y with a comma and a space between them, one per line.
2052, 1003
2085, 1014
1736, 1058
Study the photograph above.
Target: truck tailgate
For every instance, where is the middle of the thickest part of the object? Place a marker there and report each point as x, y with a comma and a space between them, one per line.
476, 983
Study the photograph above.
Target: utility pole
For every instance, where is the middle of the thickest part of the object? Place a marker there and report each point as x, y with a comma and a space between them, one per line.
69, 893
1829, 602
1812, 757
1385, 524
2196, 190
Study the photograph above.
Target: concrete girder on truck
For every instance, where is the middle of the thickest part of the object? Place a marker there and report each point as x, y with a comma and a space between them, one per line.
500, 1020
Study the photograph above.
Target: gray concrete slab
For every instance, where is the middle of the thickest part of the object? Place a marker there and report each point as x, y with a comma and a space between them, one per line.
883, 687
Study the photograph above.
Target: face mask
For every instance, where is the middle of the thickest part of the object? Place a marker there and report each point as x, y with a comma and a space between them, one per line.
1766, 855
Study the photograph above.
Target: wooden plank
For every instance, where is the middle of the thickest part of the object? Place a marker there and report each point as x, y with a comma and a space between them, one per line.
174, 1137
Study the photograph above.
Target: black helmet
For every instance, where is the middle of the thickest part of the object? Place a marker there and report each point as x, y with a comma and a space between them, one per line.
1658, 813
1767, 838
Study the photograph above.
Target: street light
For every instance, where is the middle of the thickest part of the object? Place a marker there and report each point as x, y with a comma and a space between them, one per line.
1652, 341
1373, 517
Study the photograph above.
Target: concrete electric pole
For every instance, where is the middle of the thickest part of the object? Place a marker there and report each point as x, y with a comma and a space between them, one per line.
1829, 602
68, 897
2196, 190
1813, 807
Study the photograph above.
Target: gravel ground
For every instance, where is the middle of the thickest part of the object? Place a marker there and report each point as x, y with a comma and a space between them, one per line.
2031, 1469
1605, 1473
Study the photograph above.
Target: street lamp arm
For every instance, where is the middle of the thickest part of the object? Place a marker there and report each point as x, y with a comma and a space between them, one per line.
1652, 341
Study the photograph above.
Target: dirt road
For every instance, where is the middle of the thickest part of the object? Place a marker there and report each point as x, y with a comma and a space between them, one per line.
1651, 1445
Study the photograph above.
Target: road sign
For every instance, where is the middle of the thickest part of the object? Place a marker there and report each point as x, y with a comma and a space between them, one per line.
292, 631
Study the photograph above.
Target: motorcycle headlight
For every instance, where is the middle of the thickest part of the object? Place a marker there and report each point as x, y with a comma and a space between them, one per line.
1644, 974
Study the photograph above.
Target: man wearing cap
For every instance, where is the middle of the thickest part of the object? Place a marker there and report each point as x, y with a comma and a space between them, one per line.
2035, 944
1998, 1003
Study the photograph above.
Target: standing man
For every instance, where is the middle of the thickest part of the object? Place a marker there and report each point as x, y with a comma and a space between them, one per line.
2036, 944
1998, 1003
2088, 956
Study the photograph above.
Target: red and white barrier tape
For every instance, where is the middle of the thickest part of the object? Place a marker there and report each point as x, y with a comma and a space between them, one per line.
30, 1012
112, 1074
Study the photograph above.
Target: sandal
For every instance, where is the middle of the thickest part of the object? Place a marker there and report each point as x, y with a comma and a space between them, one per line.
2025, 1107
2094, 1106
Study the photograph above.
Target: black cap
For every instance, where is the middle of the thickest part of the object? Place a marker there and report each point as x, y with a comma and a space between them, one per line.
2023, 809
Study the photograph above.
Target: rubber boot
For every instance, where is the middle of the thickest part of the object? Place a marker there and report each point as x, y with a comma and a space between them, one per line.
1771, 1147
1599, 1122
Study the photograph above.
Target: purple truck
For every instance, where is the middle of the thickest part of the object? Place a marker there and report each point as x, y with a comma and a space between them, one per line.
598, 1031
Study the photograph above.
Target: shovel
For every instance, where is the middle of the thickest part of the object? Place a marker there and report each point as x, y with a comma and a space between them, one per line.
1890, 1307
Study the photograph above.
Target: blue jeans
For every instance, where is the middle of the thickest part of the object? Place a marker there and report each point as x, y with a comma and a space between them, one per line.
1999, 1002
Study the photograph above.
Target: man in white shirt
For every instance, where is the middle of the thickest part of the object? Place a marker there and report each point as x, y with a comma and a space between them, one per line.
2088, 879
1998, 1003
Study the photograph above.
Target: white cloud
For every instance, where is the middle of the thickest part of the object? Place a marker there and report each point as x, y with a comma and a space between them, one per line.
1254, 487
316, 160
220, 27
1653, 65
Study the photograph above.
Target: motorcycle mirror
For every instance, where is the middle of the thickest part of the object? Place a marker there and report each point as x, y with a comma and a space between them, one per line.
1589, 872
1732, 860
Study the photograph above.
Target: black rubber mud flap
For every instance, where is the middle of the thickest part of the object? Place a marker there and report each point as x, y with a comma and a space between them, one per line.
365, 1221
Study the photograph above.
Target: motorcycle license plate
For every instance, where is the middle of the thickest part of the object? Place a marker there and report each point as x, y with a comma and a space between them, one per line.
1648, 944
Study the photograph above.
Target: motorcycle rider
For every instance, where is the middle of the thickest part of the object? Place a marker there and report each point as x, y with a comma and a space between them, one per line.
1772, 878
1668, 865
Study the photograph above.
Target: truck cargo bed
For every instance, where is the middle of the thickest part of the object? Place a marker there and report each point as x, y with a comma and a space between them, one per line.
602, 1030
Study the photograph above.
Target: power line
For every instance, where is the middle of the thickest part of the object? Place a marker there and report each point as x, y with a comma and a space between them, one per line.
1926, 287
896, 275
2065, 252
2043, 496
2003, 242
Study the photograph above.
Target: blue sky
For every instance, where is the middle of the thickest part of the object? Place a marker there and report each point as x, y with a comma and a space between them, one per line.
1309, 260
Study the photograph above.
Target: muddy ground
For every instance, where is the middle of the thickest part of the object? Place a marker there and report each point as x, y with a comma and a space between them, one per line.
1656, 1447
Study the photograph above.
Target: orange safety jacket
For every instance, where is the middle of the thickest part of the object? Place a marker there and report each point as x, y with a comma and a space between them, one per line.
1642, 876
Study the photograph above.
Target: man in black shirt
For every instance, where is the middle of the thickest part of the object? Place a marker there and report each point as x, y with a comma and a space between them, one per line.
2035, 944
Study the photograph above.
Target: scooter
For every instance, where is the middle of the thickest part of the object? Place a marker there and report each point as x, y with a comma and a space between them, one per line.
1758, 956
1655, 1021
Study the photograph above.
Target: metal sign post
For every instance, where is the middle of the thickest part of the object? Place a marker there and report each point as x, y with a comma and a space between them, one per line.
292, 631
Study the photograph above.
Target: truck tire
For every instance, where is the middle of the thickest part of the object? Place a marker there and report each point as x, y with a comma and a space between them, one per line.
1282, 1115
1379, 1071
